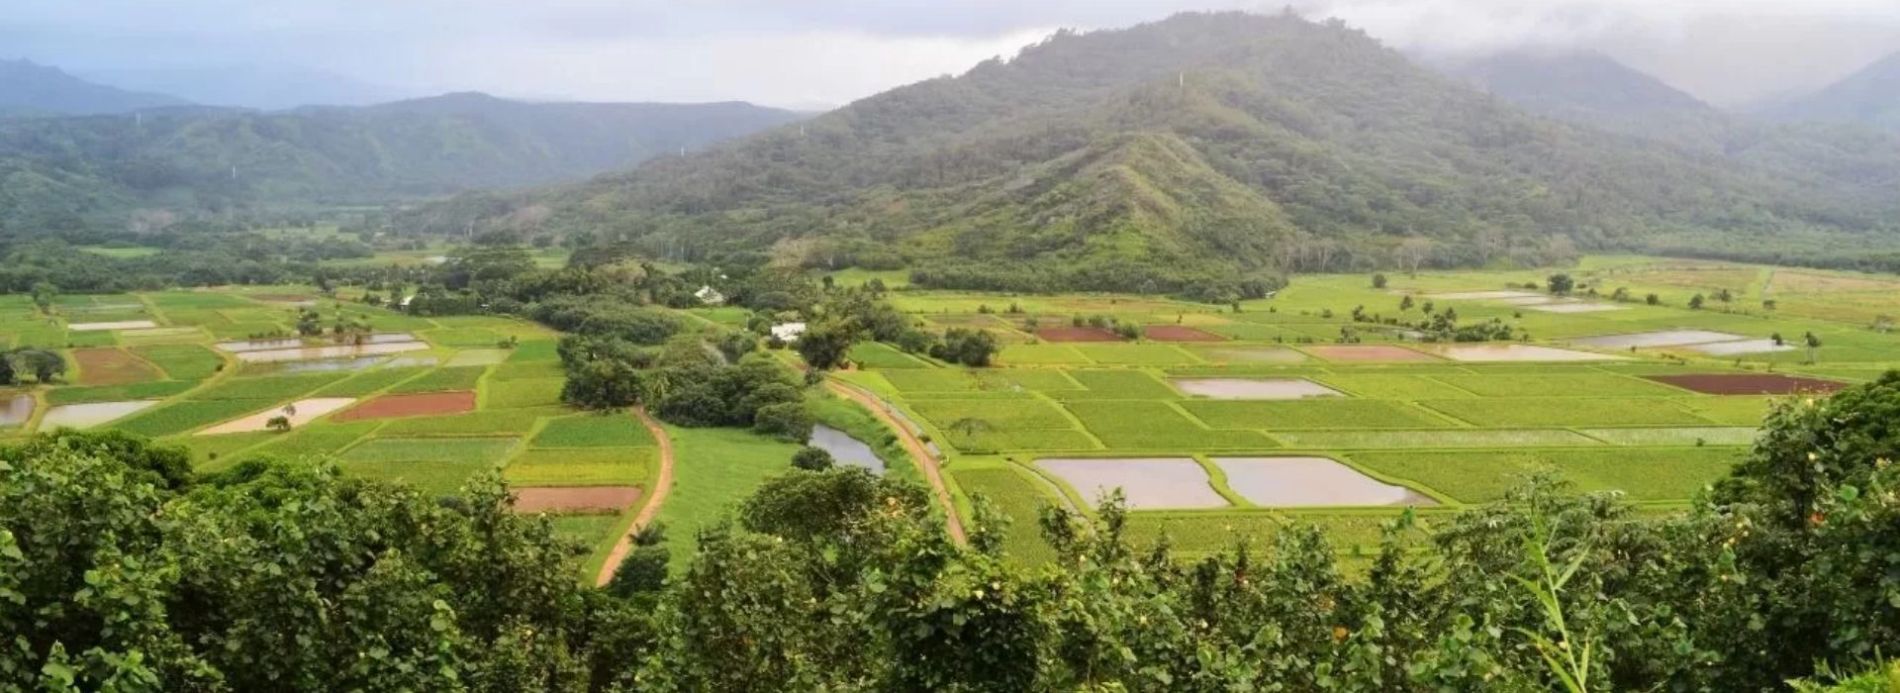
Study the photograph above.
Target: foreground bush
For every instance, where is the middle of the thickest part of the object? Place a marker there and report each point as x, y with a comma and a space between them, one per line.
284, 576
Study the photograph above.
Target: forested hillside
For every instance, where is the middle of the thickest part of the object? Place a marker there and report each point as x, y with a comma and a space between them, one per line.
1196, 150
156, 166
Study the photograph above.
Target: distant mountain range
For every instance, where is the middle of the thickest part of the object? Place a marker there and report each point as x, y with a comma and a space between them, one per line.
66, 173
31, 89
1210, 147
1870, 96
263, 87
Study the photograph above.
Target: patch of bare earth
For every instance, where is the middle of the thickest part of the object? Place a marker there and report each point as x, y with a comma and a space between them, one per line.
578, 500
1749, 383
422, 404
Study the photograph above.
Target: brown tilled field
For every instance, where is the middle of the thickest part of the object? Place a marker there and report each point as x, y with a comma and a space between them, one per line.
111, 367
1078, 334
424, 404
575, 499
1178, 333
1748, 383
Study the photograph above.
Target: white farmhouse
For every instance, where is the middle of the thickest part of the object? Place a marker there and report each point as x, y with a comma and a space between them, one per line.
788, 332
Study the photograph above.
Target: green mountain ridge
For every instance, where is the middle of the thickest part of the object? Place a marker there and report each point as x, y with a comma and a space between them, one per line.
1206, 147
68, 173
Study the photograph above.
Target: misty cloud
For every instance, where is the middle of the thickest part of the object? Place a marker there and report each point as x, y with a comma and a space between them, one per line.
831, 51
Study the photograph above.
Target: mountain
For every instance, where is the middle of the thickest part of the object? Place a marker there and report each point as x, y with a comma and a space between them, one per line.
1588, 88
1870, 96
1179, 155
27, 88
264, 86
92, 172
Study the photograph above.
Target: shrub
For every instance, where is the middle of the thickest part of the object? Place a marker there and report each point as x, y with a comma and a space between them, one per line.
788, 421
812, 459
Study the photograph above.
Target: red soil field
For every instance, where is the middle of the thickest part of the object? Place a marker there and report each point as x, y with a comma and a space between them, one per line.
1367, 352
1078, 334
575, 499
1178, 333
1748, 383
424, 404
111, 367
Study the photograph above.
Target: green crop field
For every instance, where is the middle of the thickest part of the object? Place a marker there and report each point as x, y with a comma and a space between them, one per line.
1530, 412
367, 382
476, 423
182, 361
179, 417
588, 467
1314, 414
443, 380
1157, 426
524, 393
593, 431
275, 387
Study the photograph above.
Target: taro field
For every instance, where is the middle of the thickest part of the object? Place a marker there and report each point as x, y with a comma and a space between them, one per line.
1221, 424
430, 401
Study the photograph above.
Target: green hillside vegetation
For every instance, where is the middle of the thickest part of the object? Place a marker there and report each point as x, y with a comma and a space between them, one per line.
1204, 149
65, 174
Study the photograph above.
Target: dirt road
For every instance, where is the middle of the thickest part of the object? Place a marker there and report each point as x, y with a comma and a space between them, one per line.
656, 497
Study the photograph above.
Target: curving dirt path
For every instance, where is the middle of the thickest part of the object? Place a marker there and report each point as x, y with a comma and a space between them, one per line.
919, 453
662, 486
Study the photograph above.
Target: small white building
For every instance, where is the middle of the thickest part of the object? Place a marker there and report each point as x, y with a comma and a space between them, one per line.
709, 296
788, 332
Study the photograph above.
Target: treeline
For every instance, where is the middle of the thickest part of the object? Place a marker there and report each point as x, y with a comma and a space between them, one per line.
122, 569
240, 261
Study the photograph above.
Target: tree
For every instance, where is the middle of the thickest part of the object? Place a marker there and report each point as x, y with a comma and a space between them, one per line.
1813, 343
824, 347
787, 421
1652, 299
1378, 281
643, 571
1405, 303
1695, 302
812, 459
1560, 284
43, 295
1621, 294
969, 347
309, 323
278, 424
45, 365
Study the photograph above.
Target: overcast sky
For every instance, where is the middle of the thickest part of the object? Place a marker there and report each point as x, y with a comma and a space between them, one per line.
810, 52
